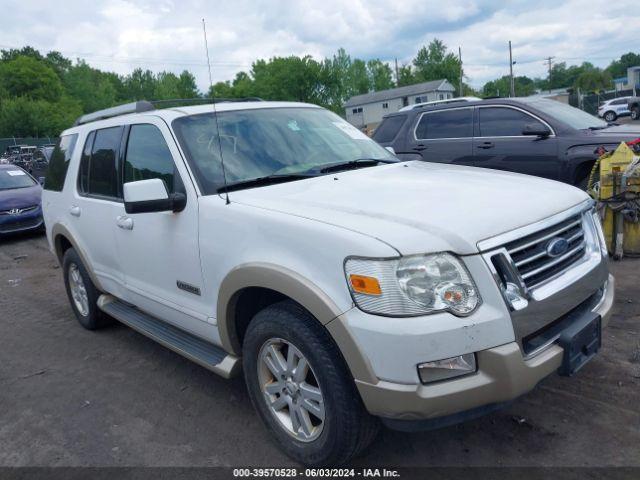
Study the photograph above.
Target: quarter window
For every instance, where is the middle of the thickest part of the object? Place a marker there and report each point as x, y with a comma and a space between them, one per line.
445, 124
389, 128
99, 165
59, 163
148, 156
504, 122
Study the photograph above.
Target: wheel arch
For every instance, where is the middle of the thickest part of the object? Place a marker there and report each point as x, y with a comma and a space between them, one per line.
245, 284
62, 241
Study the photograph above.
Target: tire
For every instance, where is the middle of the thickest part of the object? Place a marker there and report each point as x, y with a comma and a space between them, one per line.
347, 428
635, 113
85, 309
610, 116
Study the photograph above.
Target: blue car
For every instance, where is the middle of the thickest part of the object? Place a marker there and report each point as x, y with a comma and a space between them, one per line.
20, 201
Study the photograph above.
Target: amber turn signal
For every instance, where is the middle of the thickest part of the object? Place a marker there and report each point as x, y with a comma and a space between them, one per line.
366, 285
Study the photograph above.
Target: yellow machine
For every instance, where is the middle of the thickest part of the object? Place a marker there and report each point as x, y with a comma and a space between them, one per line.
618, 196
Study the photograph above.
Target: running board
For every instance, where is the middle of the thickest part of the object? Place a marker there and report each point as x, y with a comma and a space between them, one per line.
200, 351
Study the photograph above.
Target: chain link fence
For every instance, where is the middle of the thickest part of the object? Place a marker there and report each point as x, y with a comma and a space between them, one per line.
590, 103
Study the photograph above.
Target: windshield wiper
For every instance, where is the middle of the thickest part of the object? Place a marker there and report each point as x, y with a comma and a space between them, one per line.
266, 180
353, 164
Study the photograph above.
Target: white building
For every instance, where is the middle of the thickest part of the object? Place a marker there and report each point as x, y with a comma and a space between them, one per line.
366, 111
630, 82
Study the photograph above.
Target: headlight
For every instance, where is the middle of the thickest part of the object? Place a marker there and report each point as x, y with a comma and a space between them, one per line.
411, 286
597, 223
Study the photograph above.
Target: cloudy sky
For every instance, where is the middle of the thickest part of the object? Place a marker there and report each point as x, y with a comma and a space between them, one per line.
120, 35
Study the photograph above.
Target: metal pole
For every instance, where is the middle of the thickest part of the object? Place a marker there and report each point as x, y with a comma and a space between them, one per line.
460, 92
512, 84
397, 76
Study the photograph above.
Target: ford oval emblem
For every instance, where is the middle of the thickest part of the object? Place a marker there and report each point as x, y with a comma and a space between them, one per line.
557, 246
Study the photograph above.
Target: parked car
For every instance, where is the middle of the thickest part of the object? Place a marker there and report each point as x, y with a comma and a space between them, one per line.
633, 103
610, 110
530, 135
20, 201
276, 239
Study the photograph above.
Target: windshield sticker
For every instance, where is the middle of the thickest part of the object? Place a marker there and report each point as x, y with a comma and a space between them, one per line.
293, 125
350, 130
15, 173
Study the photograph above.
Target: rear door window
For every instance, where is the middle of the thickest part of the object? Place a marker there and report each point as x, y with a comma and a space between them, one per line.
59, 163
455, 123
99, 172
389, 128
505, 122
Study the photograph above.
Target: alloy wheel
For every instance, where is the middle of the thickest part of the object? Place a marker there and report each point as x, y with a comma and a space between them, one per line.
78, 290
291, 390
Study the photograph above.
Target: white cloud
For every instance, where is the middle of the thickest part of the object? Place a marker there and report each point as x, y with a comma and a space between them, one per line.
120, 35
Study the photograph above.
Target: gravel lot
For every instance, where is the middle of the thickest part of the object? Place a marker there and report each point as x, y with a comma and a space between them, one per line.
69, 397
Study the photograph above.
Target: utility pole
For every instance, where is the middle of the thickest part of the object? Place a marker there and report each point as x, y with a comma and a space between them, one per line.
512, 84
460, 91
397, 77
549, 59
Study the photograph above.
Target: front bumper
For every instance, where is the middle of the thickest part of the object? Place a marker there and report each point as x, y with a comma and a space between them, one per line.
503, 375
26, 222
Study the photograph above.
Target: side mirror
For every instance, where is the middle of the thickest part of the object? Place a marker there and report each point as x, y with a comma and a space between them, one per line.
537, 130
41, 180
147, 196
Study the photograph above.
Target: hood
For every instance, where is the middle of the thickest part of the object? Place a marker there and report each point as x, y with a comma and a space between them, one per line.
620, 132
419, 207
20, 197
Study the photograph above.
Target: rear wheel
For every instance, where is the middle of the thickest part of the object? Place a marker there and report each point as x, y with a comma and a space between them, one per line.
82, 293
300, 386
635, 113
610, 116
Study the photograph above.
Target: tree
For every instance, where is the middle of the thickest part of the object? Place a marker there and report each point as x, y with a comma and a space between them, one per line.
406, 76
618, 68
501, 87
31, 78
187, 87
593, 80
433, 62
380, 74
140, 85
91, 87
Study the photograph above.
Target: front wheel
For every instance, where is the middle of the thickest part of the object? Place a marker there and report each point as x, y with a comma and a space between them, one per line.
610, 116
635, 113
300, 386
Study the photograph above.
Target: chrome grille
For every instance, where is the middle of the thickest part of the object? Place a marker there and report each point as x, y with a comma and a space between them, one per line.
531, 256
20, 211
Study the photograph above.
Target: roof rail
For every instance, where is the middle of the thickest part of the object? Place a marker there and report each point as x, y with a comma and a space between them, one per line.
146, 106
134, 107
179, 102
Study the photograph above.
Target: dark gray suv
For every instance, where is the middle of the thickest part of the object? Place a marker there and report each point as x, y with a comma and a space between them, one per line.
532, 135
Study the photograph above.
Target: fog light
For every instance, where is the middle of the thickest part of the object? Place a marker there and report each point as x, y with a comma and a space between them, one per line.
447, 368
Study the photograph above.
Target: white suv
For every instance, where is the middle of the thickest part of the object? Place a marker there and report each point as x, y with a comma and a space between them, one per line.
610, 110
350, 287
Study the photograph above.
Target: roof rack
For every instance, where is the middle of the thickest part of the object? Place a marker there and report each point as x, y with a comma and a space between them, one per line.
134, 107
146, 106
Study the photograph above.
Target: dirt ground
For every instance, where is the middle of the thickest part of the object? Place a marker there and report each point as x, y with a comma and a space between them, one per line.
70, 397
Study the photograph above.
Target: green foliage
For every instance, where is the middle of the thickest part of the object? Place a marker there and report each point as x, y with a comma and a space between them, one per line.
501, 87
433, 62
24, 76
25, 117
618, 68
593, 80
91, 87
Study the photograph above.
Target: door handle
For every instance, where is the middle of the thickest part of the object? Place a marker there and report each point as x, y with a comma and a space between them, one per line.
486, 145
74, 210
124, 222
420, 147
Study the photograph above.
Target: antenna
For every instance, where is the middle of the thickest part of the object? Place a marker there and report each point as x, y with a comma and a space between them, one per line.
215, 112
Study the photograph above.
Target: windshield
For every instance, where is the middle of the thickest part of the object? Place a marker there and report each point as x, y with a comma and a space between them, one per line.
269, 141
15, 178
564, 113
